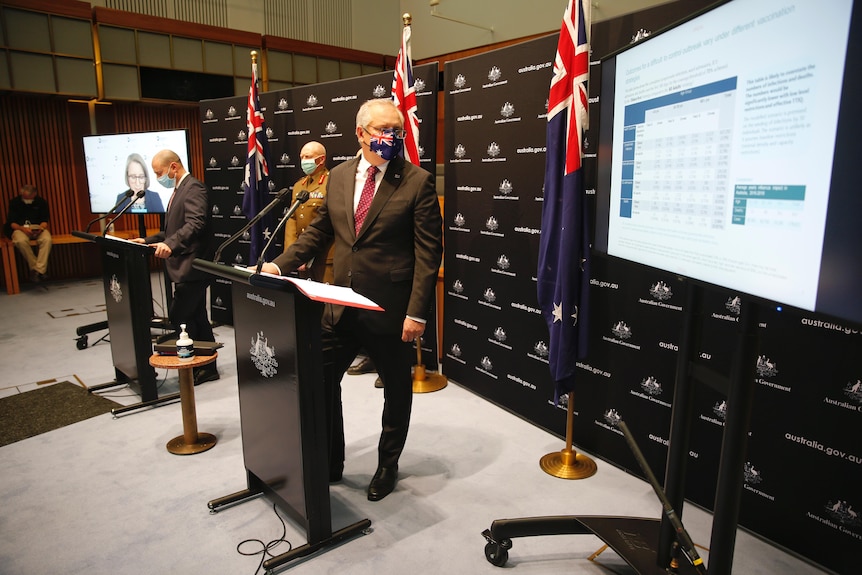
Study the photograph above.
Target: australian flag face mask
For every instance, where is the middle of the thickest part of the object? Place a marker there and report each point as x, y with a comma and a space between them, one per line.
386, 144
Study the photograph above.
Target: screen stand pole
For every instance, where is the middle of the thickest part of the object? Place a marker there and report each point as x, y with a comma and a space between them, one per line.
680, 420
740, 398
142, 226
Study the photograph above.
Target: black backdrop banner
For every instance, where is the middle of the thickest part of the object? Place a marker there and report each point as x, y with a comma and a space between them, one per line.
322, 112
804, 461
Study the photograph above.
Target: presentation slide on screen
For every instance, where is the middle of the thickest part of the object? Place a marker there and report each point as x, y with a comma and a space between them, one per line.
106, 156
723, 139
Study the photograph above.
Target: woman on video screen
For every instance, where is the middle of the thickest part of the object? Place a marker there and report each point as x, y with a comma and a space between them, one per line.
138, 179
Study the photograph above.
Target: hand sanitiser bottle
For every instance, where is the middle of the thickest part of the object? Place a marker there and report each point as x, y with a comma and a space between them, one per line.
185, 345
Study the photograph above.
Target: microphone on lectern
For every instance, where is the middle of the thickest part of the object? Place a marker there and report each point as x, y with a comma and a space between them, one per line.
301, 197
125, 197
282, 195
126, 208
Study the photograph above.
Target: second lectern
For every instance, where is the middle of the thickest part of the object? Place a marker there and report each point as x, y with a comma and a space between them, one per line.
129, 306
282, 404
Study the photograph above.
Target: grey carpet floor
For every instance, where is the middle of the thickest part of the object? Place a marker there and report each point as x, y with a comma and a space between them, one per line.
104, 496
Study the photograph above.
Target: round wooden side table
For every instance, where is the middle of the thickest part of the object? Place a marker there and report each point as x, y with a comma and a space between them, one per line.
190, 442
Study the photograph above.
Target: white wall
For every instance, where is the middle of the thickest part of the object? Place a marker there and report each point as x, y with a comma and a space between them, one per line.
377, 26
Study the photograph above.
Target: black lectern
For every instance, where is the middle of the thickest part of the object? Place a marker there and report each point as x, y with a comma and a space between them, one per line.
282, 403
129, 304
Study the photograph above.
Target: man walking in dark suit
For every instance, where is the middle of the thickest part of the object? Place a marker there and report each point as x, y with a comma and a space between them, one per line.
383, 217
186, 236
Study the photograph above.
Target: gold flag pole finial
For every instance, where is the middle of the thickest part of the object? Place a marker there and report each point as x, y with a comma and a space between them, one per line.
254, 56
406, 18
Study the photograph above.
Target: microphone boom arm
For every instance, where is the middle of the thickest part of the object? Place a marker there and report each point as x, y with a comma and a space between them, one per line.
125, 197
278, 199
301, 198
126, 208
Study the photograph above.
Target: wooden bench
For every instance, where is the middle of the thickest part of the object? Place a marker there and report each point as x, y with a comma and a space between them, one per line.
10, 267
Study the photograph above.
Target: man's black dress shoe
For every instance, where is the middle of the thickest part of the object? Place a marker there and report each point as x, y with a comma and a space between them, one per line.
364, 366
205, 374
382, 483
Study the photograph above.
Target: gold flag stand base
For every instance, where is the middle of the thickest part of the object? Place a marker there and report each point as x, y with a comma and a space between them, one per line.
568, 464
424, 382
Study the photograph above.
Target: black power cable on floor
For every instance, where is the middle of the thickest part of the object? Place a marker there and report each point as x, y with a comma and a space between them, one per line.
265, 548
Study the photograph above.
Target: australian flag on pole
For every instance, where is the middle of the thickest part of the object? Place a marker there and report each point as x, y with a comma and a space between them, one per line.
404, 96
256, 183
564, 250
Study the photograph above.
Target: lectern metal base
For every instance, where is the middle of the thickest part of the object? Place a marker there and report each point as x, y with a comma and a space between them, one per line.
171, 397
274, 563
358, 528
233, 499
633, 538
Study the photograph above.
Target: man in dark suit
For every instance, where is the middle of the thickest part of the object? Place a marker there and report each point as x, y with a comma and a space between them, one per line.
186, 236
383, 217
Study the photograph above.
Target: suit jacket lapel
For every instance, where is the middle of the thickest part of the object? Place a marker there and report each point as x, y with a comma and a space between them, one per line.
174, 212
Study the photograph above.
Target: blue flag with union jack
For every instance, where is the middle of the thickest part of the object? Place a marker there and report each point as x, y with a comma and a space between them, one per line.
404, 96
564, 249
256, 183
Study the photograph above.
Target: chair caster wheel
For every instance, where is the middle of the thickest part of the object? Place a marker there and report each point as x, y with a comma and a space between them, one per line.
496, 552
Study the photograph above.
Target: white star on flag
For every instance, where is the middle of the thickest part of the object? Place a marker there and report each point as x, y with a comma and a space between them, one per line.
558, 312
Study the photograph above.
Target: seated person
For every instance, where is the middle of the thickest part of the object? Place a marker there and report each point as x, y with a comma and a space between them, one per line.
27, 219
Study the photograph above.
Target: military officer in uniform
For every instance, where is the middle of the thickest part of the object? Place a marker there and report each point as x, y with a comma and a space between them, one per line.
313, 161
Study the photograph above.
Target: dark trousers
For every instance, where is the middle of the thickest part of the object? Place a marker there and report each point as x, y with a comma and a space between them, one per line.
190, 307
393, 359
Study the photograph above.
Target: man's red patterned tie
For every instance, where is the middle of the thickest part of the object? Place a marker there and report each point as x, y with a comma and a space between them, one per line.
365, 199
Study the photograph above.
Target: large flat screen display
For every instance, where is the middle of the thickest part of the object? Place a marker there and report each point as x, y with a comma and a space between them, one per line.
729, 152
117, 163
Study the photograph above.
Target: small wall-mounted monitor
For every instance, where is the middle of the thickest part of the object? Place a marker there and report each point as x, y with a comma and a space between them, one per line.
729, 152
117, 163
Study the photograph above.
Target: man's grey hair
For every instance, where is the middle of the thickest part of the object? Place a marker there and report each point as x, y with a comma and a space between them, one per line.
363, 116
